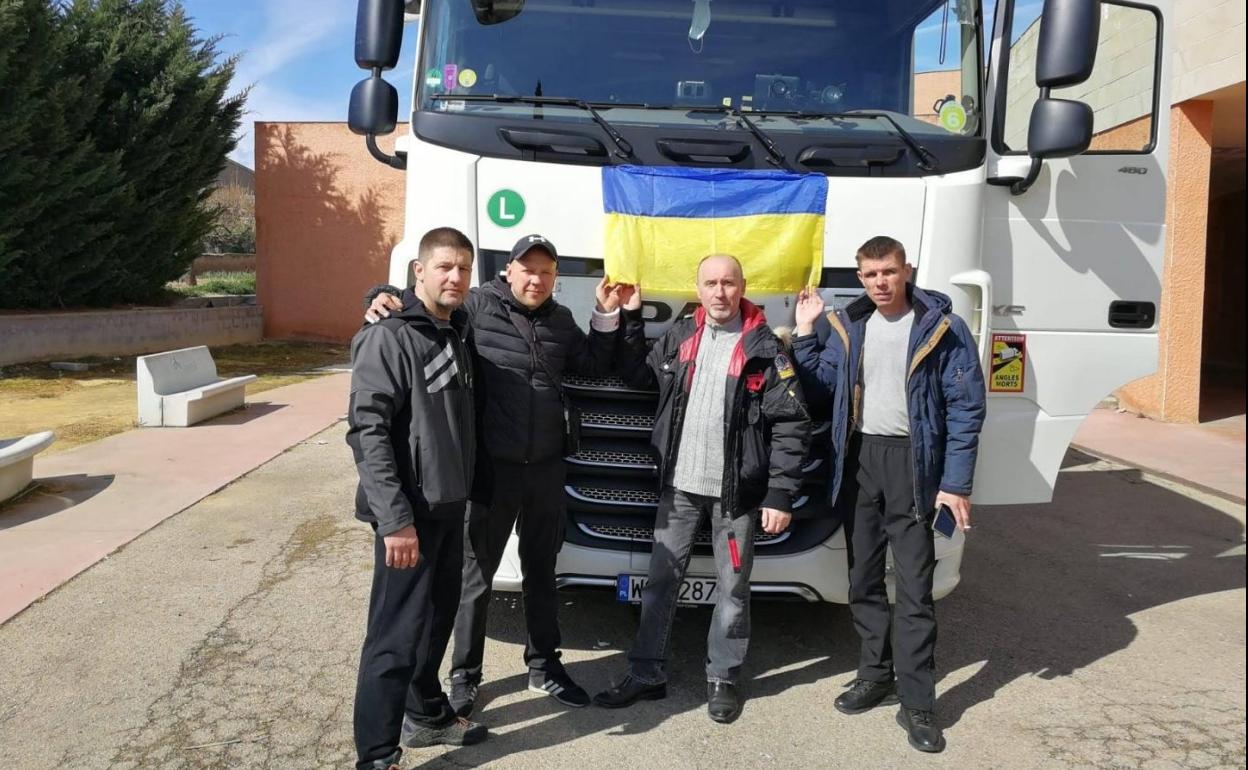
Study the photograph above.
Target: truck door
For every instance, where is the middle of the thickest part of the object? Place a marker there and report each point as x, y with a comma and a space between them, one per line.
1076, 260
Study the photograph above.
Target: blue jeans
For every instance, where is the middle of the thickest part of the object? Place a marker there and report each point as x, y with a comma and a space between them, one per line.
679, 517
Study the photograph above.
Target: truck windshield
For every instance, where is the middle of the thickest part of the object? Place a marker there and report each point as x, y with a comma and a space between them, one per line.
918, 60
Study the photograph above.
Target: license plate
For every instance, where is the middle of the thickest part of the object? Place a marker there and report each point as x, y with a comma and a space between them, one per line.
693, 590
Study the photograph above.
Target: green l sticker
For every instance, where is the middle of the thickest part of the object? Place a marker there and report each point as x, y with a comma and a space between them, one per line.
506, 208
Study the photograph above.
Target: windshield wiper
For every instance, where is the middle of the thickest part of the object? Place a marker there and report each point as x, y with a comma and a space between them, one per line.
775, 154
624, 149
926, 160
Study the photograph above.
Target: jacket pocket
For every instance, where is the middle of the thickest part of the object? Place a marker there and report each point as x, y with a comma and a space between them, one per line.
755, 459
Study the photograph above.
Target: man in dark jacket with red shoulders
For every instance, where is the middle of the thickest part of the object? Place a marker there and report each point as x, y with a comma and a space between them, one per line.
730, 432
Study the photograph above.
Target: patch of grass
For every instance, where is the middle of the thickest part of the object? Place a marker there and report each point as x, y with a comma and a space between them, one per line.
86, 406
216, 283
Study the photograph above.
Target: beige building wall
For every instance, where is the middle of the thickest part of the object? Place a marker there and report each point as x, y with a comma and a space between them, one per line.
327, 216
1209, 47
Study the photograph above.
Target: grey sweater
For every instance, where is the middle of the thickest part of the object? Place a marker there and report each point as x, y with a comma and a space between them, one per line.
700, 459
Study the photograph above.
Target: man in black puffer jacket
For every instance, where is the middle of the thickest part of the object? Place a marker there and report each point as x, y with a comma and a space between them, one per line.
526, 341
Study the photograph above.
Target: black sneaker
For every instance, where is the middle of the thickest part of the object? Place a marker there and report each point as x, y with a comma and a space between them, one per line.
921, 730
864, 695
558, 685
463, 695
457, 732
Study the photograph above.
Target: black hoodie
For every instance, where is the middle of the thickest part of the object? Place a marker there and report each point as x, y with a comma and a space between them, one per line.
412, 417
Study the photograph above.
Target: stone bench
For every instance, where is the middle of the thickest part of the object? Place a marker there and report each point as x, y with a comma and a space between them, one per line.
17, 461
181, 387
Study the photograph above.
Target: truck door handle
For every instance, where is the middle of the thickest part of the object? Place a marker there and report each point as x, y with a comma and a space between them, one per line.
563, 142
850, 156
980, 283
1125, 314
704, 151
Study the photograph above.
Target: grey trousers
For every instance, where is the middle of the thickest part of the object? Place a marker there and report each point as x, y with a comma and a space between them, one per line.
679, 517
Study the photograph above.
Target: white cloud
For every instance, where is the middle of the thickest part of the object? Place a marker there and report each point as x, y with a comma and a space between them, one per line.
292, 30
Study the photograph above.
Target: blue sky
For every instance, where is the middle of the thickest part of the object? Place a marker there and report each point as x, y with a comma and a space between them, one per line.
297, 56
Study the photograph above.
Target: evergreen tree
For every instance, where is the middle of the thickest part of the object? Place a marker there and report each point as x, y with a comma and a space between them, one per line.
114, 124
57, 190
165, 113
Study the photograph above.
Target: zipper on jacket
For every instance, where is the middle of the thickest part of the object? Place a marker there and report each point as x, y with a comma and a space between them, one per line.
732, 430
919, 355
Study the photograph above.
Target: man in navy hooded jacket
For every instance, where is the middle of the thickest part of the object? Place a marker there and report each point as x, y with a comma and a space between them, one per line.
902, 376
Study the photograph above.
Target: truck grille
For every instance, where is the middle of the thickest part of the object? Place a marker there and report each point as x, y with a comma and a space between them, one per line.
586, 381
613, 457
621, 496
646, 534
618, 420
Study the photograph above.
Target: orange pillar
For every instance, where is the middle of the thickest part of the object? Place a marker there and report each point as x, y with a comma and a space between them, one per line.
1173, 393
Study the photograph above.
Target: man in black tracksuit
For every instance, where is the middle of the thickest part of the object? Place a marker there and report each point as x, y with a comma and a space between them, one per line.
412, 421
730, 431
526, 342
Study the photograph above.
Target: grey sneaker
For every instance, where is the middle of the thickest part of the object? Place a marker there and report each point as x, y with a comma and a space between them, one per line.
457, 732
463, 695
389, 763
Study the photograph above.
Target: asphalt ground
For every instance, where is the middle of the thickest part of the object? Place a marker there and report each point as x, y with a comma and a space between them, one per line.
1103, 630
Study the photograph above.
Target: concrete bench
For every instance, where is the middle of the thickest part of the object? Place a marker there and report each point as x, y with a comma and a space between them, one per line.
17, 461
181, 387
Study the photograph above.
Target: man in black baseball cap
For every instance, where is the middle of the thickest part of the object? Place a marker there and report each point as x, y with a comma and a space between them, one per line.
527, 341
529, 242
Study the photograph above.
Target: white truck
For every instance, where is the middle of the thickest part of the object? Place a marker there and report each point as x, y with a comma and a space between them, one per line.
1042, 217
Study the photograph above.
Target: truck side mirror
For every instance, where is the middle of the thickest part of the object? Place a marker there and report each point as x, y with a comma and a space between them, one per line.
496, 11
1066, 50
374, 107
1065, 55
378, 33
1059, 128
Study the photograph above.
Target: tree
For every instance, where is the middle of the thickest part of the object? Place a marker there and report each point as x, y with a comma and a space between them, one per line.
58, 188
235, 228
115, 119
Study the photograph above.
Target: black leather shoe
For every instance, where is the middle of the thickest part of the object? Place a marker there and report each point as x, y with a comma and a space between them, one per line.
723, 704
864, 695
628, 692
922, 730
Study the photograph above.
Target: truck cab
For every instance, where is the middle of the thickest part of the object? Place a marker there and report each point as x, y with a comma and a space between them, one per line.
1017, 151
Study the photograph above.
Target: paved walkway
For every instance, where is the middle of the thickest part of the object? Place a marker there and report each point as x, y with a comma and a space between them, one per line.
96, 498
1209, 456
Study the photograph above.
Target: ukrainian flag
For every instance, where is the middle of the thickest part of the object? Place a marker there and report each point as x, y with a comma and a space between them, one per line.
660, 222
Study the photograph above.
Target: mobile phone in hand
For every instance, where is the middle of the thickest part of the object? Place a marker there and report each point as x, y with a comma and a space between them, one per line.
944, 523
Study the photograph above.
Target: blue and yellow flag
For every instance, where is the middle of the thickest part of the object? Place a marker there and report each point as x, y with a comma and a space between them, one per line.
660, 222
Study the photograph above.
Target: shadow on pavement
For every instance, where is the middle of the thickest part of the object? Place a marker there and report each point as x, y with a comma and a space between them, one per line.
799, 643
1046, 591
254, 410
1050, 589
51, 495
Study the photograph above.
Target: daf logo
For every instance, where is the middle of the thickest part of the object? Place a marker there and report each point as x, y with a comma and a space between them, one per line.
1137, 170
